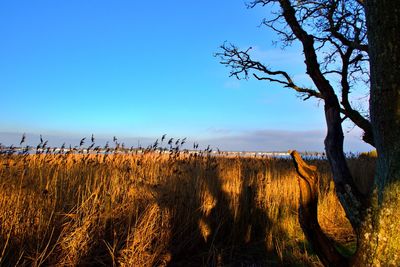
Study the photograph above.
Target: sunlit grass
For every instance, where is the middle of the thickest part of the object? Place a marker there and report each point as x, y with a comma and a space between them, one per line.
154, 209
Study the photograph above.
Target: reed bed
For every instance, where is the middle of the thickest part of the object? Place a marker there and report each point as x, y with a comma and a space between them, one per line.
159, 209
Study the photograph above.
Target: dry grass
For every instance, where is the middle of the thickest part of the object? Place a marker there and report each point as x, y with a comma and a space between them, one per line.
156, 209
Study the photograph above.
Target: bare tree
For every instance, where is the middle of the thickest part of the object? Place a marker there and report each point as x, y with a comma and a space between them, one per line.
333, 35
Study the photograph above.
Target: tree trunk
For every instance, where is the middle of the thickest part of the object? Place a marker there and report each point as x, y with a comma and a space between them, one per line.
348, 193
379, 242
384, 35
378, 238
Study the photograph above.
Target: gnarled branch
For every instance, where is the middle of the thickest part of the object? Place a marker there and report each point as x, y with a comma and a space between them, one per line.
308, 214
348, 111
242, 64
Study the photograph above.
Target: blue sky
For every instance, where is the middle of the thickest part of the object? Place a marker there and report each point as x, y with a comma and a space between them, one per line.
139, 69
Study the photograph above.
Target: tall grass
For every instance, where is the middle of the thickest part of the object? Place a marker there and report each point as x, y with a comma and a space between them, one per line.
158, 209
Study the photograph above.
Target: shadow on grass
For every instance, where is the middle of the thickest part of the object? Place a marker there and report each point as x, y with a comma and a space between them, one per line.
206, 218
214, 227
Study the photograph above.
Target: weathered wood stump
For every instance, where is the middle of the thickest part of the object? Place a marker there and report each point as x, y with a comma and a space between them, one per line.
308, 213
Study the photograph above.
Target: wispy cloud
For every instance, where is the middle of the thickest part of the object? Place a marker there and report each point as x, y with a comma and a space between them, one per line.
282, 140
270, 140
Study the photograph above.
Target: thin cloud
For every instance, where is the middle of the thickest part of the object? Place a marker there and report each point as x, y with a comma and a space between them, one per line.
270, 140
281, 140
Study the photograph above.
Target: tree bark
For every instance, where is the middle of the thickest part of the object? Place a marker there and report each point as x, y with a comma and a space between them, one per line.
379, 240
384, 34
308, 214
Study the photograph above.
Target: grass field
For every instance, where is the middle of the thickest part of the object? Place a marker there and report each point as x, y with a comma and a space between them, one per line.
154, 209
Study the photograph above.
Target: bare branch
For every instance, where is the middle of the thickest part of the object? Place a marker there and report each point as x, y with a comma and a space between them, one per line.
347, 110
335, 25
242, 64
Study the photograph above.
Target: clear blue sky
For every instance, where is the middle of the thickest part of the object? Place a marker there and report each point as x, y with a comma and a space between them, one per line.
139, 69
